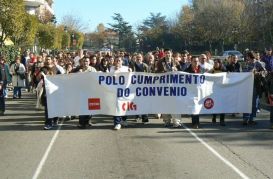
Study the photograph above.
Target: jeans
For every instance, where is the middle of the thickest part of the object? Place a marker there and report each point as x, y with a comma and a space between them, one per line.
195, 119
84, 119
118, 119
17, 92
48, 121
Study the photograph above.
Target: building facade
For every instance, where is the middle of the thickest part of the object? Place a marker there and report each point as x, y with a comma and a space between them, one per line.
39, 7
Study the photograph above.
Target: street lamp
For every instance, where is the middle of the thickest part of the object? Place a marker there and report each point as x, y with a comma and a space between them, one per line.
234, 32
73, 40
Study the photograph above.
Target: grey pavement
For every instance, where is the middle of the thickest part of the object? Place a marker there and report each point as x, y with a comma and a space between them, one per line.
140, 151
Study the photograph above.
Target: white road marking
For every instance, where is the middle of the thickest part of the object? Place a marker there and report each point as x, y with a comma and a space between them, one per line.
223, 159
42, 162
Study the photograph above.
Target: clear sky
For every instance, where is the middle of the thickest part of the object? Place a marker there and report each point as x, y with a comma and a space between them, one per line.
93, 12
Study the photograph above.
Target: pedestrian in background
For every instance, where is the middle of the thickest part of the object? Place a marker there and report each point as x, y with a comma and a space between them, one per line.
18, 70
5, 75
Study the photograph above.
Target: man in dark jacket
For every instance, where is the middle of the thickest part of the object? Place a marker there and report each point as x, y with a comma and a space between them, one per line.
168, 64
194, 68
140, 66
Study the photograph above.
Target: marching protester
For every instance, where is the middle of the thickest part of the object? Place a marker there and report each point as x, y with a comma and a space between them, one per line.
232, 64
204, 63
68, 68
150, 61
262, 84
267, 59
49, 122
183, 62
35, 70
256, 67
48, 69
195, 67
103, 66
140, 66
118, 67
218, 67
18, 70
84, 119
168, 64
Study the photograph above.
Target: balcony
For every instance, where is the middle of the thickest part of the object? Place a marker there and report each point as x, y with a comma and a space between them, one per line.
41, 5
34, 3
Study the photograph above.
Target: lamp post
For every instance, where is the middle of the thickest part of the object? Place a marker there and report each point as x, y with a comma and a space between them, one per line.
234, 32
66, 43
73, 40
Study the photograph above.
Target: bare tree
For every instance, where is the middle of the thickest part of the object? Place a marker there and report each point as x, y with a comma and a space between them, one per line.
73, 23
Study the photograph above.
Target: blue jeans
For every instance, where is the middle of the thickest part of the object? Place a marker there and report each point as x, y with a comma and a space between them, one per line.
17, 92
49, 121
118, 119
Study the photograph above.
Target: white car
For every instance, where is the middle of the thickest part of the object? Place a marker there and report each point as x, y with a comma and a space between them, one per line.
227, 53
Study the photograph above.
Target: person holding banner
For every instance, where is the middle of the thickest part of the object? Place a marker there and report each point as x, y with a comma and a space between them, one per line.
168, 64
118, 67
49, 122
218, 67
252, 66
139, 66
84, 119
195, 68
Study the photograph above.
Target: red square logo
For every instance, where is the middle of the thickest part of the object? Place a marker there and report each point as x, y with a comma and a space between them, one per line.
94, 103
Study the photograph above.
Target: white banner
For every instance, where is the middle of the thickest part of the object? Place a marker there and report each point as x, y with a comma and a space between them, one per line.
148, 93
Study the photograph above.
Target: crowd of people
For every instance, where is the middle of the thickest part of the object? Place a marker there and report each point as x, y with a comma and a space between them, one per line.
27, 71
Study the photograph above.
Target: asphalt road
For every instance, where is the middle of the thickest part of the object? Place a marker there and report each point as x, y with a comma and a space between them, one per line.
139, 151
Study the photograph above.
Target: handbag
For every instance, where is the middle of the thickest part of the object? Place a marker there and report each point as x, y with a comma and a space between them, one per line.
22, 76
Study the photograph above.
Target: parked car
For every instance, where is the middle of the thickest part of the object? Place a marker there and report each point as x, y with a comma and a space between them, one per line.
227, 53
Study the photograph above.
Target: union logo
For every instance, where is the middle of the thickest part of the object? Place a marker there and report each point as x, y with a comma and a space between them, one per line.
129, 106
94, 103
209, 103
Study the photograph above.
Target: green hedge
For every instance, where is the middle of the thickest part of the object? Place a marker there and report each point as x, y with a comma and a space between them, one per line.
9, 52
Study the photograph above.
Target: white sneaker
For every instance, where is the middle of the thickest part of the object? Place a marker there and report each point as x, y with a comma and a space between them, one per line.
117, 127
124, 123
176, 123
